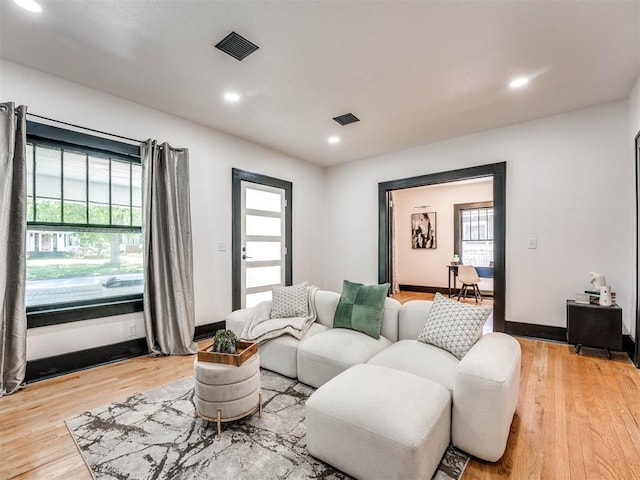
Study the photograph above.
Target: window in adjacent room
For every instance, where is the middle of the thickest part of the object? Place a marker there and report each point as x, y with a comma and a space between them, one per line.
474, 235
84, 209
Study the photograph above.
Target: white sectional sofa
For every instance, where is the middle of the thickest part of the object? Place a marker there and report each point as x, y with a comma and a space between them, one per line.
484, 385
315, 362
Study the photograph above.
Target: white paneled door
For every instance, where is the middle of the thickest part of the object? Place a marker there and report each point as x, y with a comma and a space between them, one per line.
262, 240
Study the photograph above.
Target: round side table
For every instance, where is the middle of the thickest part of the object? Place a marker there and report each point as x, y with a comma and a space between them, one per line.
225, 392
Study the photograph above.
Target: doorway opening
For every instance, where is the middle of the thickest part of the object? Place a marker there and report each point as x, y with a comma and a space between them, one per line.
478, 220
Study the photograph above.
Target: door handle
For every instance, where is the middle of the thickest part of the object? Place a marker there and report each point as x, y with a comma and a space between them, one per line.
244, 257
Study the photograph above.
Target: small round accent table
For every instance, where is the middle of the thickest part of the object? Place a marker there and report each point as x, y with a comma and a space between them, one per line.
225, 392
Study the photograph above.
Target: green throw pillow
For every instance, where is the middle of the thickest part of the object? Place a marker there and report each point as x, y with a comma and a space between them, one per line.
361, 307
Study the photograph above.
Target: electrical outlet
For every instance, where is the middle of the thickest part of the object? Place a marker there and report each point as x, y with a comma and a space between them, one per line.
533, 243
130, 329
222, 246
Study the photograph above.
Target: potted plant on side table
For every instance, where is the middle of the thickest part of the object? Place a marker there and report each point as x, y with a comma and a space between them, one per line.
225, 341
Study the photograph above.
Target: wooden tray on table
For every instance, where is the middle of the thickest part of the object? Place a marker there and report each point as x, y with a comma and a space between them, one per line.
244, 351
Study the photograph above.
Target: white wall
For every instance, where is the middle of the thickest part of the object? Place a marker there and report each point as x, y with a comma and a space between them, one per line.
569, 184
212, 156
634, 129
428, 267
634, 110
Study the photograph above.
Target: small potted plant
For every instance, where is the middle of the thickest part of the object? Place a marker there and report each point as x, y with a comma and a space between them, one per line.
225, 341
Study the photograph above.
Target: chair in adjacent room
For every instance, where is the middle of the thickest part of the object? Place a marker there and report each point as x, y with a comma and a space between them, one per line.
468, 277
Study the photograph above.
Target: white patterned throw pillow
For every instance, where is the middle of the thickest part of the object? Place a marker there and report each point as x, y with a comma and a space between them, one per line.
453, 326
290, 301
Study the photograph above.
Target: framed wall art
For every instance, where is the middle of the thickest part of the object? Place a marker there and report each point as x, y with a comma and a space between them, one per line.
423, 230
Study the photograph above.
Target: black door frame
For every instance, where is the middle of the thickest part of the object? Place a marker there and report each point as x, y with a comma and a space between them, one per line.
636, 356
239, 176
499, 173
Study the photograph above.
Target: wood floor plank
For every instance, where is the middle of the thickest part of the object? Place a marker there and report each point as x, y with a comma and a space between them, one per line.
574, 457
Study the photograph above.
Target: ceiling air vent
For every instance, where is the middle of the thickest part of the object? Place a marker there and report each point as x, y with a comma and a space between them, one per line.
346, 119
237, 46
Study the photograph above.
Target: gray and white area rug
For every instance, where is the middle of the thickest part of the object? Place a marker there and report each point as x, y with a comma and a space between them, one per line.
157, 435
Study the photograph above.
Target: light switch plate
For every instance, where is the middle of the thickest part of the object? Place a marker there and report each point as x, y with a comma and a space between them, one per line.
533, 243
130, 329
222, 246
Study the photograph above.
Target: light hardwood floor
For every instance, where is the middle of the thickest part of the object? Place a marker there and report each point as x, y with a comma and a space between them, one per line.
578, 416
404, 297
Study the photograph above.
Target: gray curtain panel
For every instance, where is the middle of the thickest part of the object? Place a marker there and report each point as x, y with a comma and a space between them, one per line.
13, 232
168, 257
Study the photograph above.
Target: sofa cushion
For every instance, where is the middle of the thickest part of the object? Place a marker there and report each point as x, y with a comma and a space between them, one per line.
288, 302
412, 317
390, 315
486, 395
361, 307
373, 422
326, 303
323, 356
453, 326
280, 354
420, 359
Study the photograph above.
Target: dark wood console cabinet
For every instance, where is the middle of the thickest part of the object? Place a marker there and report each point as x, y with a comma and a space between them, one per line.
594, 326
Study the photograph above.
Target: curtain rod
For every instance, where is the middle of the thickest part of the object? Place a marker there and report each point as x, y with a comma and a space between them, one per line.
86, 128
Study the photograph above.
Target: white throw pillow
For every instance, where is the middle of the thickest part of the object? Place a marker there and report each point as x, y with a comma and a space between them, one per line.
454, 326
290, 301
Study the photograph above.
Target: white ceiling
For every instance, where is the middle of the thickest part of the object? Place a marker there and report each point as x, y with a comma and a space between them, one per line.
413, 72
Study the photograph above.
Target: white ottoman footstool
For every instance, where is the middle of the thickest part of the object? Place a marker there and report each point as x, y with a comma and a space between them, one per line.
226, 392
375, 422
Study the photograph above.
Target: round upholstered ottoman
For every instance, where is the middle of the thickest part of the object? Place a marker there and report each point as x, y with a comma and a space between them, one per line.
226, 392
375, 422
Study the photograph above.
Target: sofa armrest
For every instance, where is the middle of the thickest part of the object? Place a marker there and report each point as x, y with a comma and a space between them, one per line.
236, 320
485, 395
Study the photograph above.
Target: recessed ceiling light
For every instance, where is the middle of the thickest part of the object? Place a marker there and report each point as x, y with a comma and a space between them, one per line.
29, 5
232, 97
333, 140
519, 82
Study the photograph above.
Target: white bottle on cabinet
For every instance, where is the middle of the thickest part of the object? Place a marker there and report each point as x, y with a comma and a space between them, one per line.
605, 296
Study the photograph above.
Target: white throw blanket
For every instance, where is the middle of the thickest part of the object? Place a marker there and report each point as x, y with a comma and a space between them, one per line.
262, 327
